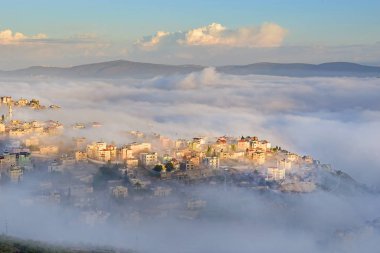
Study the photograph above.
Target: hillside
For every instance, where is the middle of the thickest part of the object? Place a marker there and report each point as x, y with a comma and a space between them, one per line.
15, 245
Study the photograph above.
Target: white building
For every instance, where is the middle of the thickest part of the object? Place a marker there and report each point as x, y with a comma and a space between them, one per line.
55, 167
120, 192
211, 162
308, 159
16, 173
275, 174
292, 157
148, 159
196, 204
161, 191
284, 164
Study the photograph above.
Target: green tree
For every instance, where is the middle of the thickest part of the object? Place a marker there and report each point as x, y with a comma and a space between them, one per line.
169, 167
209, 151
158, 168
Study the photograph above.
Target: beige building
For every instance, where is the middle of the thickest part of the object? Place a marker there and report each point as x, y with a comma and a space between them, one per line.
181, 144
237, 155
242, 145
7, 160
263, 145
254, 144
93, 149
19, 132
49, 150
126, 153
32, 141
165, 142
139, 148
132, 163
101, 151
103, 155
200, 140
80, 156
258, 158
5, 100
22, 102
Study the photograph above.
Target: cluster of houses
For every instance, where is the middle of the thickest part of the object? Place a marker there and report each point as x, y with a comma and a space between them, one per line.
17, 128
14, 161
159, 154
198, 156
23, 102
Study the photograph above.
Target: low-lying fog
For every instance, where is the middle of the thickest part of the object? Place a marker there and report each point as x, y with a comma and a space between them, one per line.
235, 220
336, 120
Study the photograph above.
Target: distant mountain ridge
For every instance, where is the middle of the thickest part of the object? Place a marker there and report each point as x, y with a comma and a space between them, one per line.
111, 69
125, 69
303, 70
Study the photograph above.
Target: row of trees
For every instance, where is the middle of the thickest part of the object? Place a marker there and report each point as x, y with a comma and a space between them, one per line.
168, 167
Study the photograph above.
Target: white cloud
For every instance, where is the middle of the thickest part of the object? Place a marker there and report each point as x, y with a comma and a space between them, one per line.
267, 35
8, 37
151, 42
206, 35
215, 34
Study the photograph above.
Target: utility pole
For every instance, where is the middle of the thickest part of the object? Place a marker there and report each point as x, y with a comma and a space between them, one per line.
10, 111
6, 227
225, 179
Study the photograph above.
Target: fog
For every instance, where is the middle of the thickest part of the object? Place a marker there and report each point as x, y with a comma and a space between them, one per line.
336, 120
234, 221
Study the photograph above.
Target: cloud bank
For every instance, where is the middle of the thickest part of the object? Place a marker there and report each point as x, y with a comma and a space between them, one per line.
215, 34
334, 119
8, 37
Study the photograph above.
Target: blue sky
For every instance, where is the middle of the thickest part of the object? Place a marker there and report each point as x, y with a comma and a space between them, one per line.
332, 22
328, 23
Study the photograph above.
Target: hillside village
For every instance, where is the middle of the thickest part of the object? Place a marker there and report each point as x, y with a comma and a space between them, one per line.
153, 170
